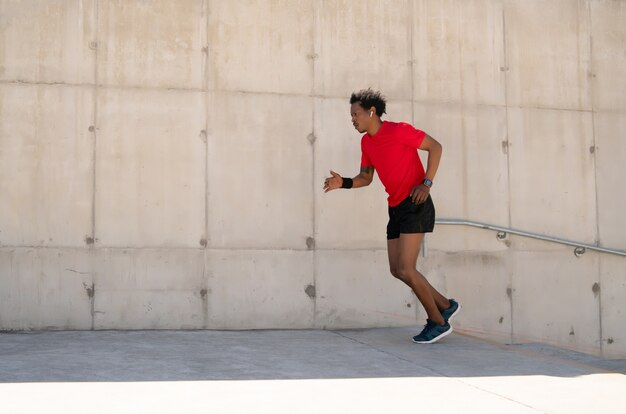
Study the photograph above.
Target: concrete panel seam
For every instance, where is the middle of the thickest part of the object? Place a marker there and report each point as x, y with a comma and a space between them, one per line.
25, 82
508, 164
91, 246
595, 176
312, 140
205, 82
148, 88
86, 247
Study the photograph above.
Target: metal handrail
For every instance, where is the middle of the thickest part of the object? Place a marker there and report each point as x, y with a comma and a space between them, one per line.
579, 248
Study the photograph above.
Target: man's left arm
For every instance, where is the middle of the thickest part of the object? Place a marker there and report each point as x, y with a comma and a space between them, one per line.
420, 192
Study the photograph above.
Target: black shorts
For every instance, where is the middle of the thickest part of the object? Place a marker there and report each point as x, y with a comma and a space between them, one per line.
408, 217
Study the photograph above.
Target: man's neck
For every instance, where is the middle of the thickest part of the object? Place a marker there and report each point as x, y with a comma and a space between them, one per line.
375, 127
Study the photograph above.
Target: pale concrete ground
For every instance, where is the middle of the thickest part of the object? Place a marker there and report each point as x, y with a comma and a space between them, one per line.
296, 371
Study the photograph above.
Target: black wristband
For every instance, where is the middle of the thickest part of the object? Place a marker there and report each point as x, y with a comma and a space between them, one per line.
346, 182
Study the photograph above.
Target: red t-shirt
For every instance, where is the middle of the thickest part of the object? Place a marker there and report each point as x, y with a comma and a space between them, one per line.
392, 151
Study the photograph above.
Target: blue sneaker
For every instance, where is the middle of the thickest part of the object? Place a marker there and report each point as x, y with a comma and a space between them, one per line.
432, 332
452, 310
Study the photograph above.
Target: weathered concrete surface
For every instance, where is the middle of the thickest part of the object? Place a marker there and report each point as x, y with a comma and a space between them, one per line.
613, 306
156, 44
548, 53
552, 173
149, 288
45, 201
610, 150
260, 289
176, 153
369, 371
261, 46
355, 288
458, 53
150, 169
260, 171
51, 42
546, 286
608, 59
376, 51
45, 288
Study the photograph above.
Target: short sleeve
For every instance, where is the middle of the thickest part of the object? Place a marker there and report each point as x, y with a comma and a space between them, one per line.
365, 159
410, 136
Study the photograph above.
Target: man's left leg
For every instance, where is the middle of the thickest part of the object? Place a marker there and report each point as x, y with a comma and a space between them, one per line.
393, 250
409, 246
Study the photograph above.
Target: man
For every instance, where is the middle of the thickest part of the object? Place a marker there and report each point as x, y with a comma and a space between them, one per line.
391, 149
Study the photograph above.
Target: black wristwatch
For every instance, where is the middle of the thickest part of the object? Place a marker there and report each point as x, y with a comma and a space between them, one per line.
428, 183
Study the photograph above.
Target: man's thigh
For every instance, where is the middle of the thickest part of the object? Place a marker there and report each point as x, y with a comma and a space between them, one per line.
408, 249
393, 251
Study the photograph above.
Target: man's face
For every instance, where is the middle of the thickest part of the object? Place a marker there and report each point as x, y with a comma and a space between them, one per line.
361, 118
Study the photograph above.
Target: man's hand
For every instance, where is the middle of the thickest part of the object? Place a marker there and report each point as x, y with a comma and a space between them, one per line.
332, 183
419, 194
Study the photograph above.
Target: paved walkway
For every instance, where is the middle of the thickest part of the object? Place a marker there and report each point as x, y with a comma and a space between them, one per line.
309, 371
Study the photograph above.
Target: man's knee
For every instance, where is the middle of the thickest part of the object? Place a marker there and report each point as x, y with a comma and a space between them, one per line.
404, 273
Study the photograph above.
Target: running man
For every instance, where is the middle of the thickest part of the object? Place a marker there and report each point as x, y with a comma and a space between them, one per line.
391, 149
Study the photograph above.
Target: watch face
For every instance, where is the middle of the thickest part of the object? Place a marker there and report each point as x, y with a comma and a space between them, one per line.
428, 182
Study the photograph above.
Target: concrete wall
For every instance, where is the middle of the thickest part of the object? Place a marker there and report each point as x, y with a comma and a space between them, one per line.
161, 163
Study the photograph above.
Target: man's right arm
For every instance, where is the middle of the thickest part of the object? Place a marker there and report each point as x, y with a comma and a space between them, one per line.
364, 178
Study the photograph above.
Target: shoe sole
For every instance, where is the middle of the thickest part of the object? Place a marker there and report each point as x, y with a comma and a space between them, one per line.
455, 312
432, 341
